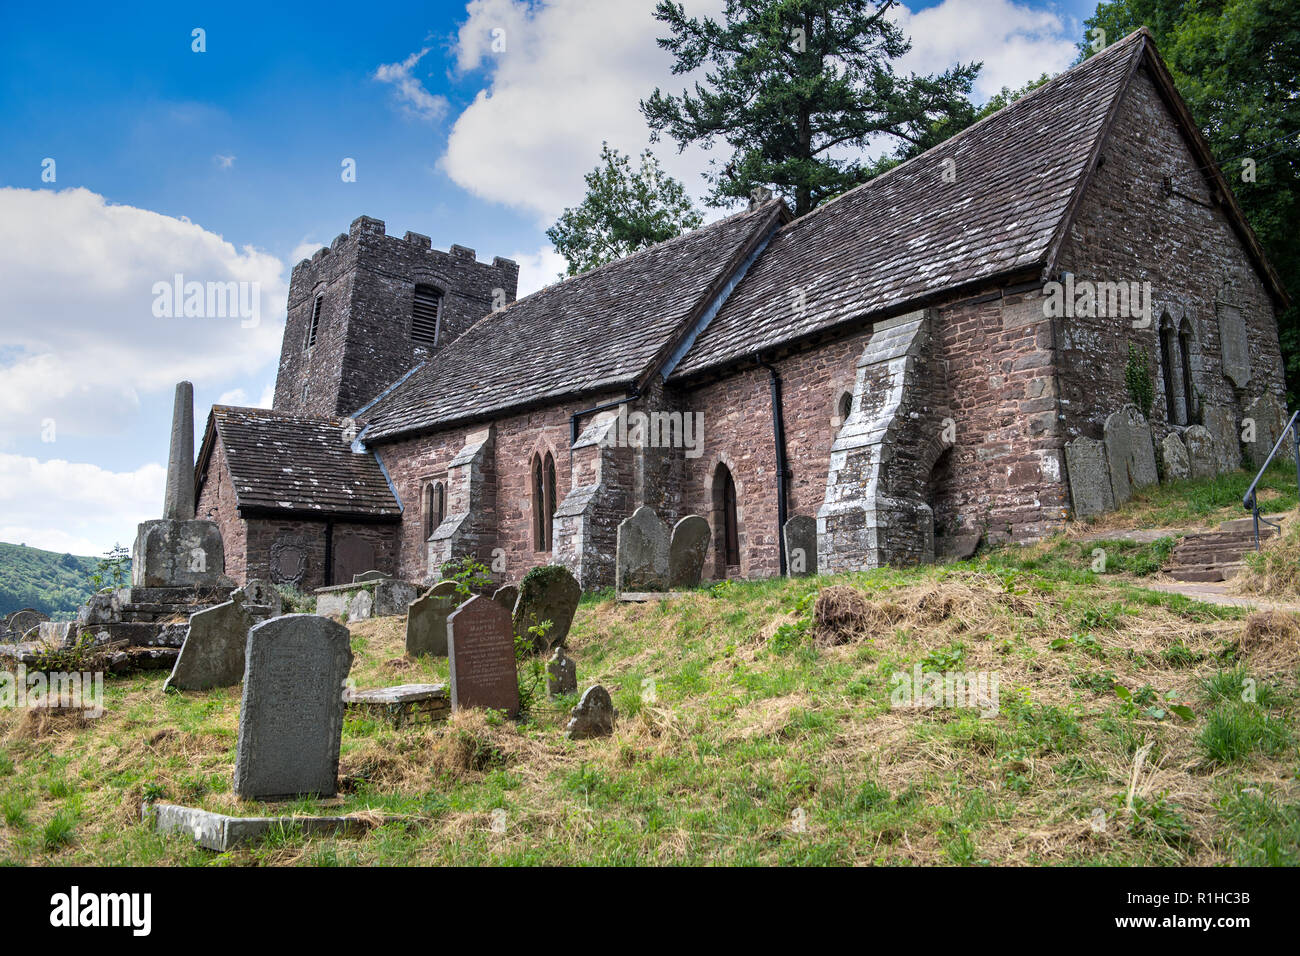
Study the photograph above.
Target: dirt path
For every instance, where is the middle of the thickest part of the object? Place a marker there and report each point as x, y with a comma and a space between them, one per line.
1217, 592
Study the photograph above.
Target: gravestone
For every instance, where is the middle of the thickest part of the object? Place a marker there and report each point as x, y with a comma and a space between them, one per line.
801, 546
642, 553
549, 593
1270, 419
365, 576
507, 596
291, 718
1130, 453
426, 620
1173, 455
594, 716
561, 674
288, 560
1221, 423
1200, 452
686, 550
213, 652
481, 657
17, 624
363, 603
263, 594
1090, 487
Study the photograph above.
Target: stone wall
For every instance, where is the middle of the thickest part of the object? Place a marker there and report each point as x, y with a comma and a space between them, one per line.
1131, 228
217, 502
363, 343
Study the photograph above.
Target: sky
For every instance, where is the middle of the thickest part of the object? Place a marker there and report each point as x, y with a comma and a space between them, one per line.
223, 143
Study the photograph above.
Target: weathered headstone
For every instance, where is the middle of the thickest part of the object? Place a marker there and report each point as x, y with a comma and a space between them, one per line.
1173, 456
361, 606
642, 553
365, 576
213, 652
1130, 453
1269, 417
426, 620
801, 546
291, 718
549, 593
392, 597
507, 596
594, 716
1221, 423
264, 594
481, 657
1200, 452
1090, 487
561, 674
686, 550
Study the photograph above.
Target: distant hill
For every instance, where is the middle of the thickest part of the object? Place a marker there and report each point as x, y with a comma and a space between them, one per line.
48, 581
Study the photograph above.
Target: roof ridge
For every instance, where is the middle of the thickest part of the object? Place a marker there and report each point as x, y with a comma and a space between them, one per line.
960, 134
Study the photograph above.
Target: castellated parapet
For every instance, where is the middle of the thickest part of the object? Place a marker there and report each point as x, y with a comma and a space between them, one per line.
365, 282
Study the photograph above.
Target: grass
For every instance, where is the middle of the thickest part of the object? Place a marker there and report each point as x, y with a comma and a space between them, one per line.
1131, 727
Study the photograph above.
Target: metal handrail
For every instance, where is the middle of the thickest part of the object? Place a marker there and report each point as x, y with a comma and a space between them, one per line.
1251, 499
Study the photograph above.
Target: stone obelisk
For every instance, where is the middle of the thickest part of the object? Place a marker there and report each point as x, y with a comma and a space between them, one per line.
178, 551
178, 505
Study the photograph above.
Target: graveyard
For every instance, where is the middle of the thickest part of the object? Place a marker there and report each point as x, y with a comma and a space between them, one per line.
755, 723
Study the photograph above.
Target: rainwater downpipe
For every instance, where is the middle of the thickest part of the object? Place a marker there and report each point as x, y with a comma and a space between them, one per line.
778, 438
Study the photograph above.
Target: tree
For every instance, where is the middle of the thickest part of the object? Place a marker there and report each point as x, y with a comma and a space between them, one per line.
1237, 64
624, 210
792, 86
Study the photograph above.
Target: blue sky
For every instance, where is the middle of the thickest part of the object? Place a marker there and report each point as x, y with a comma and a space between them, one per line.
226, 163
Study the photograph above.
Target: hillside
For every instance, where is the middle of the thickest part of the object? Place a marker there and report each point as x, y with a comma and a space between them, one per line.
56, 584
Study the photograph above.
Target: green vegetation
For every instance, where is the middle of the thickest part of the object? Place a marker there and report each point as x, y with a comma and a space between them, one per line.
1137, 377
55, 584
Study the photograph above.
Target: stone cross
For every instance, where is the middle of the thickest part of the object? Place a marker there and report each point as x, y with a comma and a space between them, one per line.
178, 505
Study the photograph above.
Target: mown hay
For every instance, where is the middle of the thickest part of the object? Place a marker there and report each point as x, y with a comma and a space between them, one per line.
840, 614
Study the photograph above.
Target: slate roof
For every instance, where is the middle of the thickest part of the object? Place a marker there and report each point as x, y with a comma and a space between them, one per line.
908, 234
292, 463
602, 330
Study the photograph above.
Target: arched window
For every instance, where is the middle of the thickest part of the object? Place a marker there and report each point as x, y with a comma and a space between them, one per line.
314, 325
1185, 354
726, 524
1172, 367
544, 503
433, 507
426, 317
845, 406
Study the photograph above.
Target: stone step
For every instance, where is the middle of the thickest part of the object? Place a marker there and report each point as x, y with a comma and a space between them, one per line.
1204, 572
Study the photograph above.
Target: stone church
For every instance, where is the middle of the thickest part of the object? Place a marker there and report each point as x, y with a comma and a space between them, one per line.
932, 360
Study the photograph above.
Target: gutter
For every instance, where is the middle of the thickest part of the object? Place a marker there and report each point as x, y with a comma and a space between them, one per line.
778, 439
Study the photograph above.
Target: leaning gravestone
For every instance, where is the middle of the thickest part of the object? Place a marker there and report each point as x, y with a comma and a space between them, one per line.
213, 652
1173, 455
1269, 418
1200, 452
1090, 487
263, 594
686, 551
507, 596
549, 593
363, 604
481, 657
1221, 423
642, 553
594, 716
426, 620
1130, 453
561, 674
801, 546
291, 718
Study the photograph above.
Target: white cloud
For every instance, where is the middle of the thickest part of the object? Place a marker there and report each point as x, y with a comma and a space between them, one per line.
573, 73
538, 269
84, 509
224, 162
238, 396
81, 342
410, 93
304, 250
1017, 43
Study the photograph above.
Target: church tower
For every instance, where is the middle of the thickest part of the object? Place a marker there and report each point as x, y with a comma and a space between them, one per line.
367, 308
